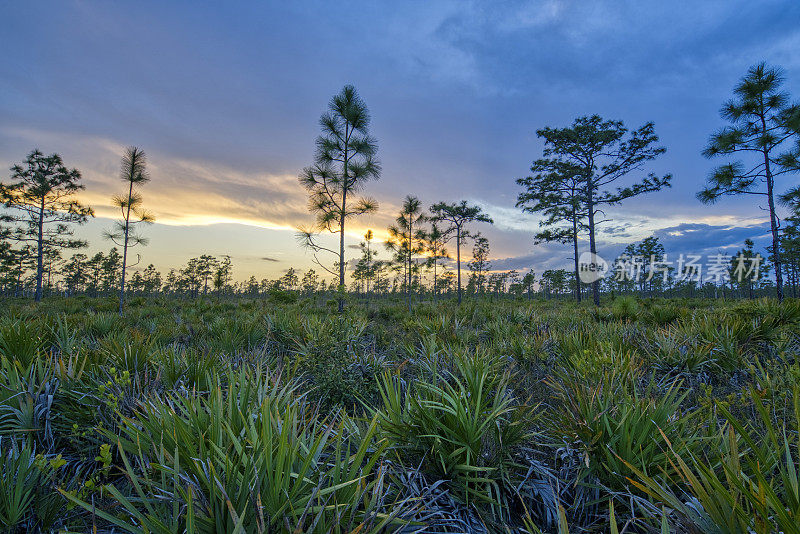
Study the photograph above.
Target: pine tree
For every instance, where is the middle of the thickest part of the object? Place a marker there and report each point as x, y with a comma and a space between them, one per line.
407, 240
480, 263
124, 234
598, 153
763, 125
434, 244
343, 164
556, 191
457, 216
365, 269
223, 274
41, 197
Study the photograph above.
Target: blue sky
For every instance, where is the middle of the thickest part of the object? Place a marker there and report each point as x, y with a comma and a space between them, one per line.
224, 98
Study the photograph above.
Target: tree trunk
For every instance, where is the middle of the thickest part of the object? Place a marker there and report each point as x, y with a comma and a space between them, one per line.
19, 277
341, 253
40, 253
435, 288
369, 272
592, 247
342, 218
575, 252
125, 250
773, 219
458, 260
410, 252
773, 223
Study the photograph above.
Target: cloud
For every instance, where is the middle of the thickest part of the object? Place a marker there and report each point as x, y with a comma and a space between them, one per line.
267, 258
544, 256
181, 191
456, 89
509, 218
697, 238
684, 238
191, 192
621, 231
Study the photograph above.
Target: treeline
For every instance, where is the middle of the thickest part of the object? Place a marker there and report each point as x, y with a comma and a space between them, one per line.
642, 269
584, 168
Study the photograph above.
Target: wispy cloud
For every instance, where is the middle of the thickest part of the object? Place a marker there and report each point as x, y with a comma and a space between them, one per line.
456, 89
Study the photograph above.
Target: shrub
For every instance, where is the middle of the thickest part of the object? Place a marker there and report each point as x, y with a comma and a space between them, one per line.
27, 500
664, 315
748, 484
616, 426
625, 308
466, 429
20, 343
252, 460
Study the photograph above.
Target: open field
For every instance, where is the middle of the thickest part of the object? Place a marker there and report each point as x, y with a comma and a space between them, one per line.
500, 416
370, 267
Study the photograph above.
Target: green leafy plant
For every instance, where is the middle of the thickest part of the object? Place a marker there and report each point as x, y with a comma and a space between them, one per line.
616, 426
466, 428
749, 484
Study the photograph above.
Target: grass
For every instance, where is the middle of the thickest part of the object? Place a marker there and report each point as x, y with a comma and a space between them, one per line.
499, 416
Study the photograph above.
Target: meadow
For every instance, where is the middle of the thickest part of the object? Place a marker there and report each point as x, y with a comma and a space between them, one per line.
281, 415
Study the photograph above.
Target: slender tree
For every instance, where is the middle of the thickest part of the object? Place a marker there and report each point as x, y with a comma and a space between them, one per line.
343, 164
364, 270
15, 263
125, 232
205, 267
76, 273
369, 257
647, 258
554, 281
223, 274
457, 216
790, 239
742, 272
7, 264
111, 269
435, 247
310, 281
480, 262
41, 197
601, 152
762, 125
95, 266
152, 279
290, 280
527, 282
407, 239
556, 191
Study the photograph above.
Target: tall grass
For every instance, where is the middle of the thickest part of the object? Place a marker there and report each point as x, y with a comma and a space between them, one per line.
219, 415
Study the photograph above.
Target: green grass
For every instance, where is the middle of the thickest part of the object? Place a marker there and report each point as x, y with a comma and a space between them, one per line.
499, 416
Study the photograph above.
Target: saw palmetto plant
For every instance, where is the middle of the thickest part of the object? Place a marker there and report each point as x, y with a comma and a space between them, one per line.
251, 416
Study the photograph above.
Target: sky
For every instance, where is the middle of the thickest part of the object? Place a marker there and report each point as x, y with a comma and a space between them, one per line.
225, 97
